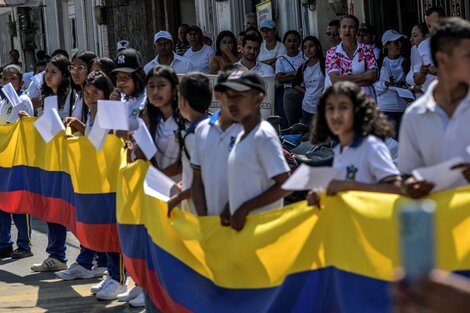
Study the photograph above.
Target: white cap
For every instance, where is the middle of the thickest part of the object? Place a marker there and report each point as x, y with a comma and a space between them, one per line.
122, 44
391, 35
162, 34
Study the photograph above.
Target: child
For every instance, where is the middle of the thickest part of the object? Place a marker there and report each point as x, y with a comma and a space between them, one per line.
256, 165
213, 140
8, 114
351, 119
194, 101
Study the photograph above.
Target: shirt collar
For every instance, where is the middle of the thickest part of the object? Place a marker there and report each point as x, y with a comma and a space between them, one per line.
354, 144
214, 118
339, 49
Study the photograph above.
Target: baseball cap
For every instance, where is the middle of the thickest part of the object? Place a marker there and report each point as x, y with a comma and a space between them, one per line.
128, 61
269, 24
122, 44
242, 81
391, 35
162, 34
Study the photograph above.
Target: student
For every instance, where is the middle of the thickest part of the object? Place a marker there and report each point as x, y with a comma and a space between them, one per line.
256, 165
213, 140
351, 119
435, 127
194, 101
57, 82
8, 114
310, 78
105, 65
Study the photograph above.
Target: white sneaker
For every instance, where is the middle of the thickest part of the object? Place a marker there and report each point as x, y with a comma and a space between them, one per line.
97, 288
111, 290
99, 271
138, 301
129, 295
75, 271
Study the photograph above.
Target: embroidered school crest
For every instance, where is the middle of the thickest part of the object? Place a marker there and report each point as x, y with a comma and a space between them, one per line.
121, 59
351, 171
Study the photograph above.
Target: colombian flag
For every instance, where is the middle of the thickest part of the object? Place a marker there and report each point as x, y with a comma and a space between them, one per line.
65, 181
294, 259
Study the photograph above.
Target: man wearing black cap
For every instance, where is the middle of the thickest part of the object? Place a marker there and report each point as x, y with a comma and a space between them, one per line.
199, 54
256, 166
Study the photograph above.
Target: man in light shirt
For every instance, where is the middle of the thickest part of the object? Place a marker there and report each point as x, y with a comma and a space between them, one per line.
250, 51
199, 54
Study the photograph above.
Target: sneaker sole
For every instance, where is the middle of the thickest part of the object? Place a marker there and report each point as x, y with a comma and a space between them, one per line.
73, 278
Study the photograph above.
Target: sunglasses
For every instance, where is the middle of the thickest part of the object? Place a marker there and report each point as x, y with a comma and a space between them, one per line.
332, 34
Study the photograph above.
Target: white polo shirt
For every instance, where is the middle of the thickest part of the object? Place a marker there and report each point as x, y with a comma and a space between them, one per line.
168, 148
77, 107
366, 160
9, 114
261, 69
179, 64
286, 64
252, 164
200, 59
428, 136
211, 149
136, 104
425, 57
265, 54
34, 88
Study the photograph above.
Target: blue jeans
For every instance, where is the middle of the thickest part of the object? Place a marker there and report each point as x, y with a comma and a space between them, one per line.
22, 223
56, 237
87, 256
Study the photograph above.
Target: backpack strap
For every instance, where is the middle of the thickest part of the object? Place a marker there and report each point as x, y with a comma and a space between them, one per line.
190, 130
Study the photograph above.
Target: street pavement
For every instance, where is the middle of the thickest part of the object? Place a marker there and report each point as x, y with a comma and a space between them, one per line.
22, 290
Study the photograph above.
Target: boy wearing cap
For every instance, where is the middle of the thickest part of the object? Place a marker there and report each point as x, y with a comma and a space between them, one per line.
199, 54
256, 165
163, 42
270, 49
250, 51
213, 141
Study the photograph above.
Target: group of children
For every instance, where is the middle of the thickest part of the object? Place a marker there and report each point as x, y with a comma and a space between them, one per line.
231, 163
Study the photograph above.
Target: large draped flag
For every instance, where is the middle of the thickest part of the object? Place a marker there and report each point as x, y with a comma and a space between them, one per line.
294, 259
65, 181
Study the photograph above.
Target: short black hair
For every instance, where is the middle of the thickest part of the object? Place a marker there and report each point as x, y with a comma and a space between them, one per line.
439, 10
107, 65
291, 32
334, 23
350, 17
14, 50
423, 28
447, 34
251, 38
196, 89
61, 52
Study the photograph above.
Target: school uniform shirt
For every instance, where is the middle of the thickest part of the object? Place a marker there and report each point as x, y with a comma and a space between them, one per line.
71, 100
365, 160
424, 51
168, 148
9, 114
261, 69
34, 89
314, 82
286, 64
136, 104
211, 149
265, 54
337, 61
388, 100
252, 164
179, 64
428, 136
200, 59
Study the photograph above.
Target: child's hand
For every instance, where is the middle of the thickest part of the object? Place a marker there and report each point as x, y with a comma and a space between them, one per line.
313, 198
417, 189
239, 218
74, 123
172, 203
465, 168
225, 216
22, 114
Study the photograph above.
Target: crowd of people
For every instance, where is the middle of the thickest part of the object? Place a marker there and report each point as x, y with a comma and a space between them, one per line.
355, 97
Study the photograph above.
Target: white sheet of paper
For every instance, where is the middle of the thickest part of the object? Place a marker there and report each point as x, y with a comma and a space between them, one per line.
11, 94
50, 103
97, 136
307, 177
144, 140
49, 125
404, 93
157, 184
113, 115
440, 174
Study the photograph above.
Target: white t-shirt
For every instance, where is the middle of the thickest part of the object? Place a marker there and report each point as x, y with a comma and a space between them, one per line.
200, 59
314, 82
366, 160
252, 164
211, 149
261, 69
265, 54
179, 64
9, 114
388, 99
286, 64
428, 136
168, 148
424, 50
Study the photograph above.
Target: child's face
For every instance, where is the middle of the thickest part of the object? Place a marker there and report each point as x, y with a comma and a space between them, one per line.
12, 76
310, 49
91, 95
125, 83
78, 71
53, 76
242, 105
160, 92
339, 114
224, 110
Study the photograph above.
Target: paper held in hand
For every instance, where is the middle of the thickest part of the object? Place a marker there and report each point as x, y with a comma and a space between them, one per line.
113, 115
97, 136
11, 94
50, 103
157, 184
307, 177
143, 138
49, 125
441, 174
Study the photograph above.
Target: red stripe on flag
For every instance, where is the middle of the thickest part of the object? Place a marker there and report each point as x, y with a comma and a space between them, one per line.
98, 237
